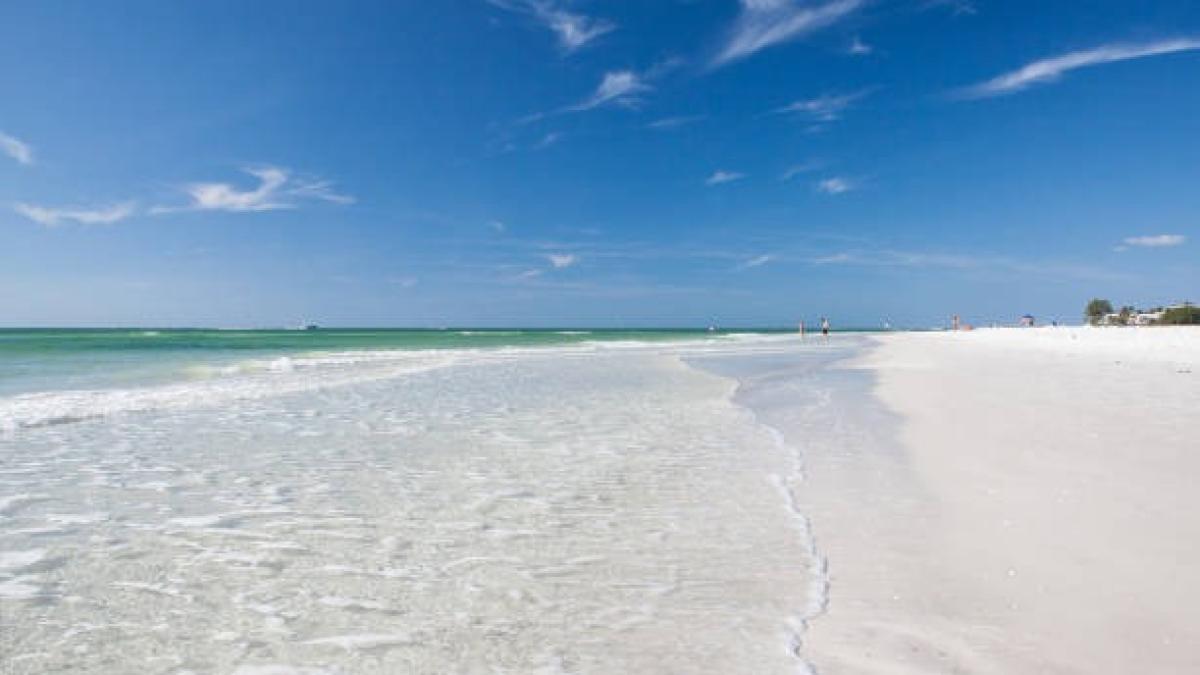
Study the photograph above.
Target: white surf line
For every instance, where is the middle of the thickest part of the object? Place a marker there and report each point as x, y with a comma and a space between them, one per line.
12, 503
817, 594
818, 587
50, 408
364, 641
33, 410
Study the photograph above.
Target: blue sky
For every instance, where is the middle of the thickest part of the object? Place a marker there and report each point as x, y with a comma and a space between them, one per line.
557, 162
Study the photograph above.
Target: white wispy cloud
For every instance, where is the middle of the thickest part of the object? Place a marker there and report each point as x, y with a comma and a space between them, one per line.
674, 122
824, 108
226, 197
801, 168
835, 186
969, 263
619, 87
1155, 241
888, 258
548, 140
52, 216
833, 259
562, 260
616, 87
16, 148
573, 30
1052, 69
276, 189
757, 261
318, 189
958, 7
859, 48
721, 177
763, 23
497, 225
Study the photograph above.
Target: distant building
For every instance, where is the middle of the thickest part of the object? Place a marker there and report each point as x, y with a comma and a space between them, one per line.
1138, 317
1145, 318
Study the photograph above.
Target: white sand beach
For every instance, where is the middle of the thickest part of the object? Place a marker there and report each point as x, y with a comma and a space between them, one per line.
1039, 514
1002, 501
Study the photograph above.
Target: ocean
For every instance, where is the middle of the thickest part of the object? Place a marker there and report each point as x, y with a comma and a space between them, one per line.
41, 359
361, 501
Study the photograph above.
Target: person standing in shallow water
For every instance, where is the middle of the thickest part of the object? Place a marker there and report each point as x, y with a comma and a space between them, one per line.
825, 328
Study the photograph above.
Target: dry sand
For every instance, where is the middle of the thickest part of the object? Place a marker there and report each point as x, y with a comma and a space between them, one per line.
1040, 513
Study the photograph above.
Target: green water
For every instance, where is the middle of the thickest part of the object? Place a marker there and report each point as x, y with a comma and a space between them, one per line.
33, 359
120, 339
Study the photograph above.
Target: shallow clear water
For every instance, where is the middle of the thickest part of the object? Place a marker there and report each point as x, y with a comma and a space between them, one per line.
65, 375
34, 359
575, 508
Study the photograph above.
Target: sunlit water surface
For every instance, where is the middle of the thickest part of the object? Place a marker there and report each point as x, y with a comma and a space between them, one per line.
556, 510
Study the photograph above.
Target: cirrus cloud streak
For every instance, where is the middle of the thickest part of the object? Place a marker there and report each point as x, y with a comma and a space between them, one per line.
54, 216
574, 31
722, 177
16, 148
1155, 240
1052, 69
765, 23
276, 189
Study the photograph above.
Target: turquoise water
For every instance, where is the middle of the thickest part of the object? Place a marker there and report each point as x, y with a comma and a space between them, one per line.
398, 502
60, 359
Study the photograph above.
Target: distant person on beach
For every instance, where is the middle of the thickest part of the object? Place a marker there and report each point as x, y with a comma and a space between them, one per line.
825, 327
801, 329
